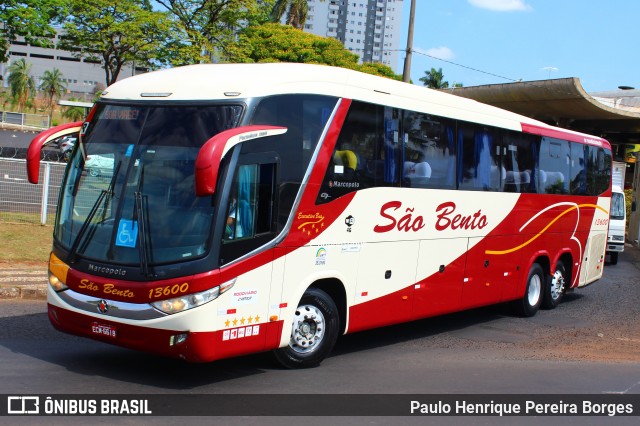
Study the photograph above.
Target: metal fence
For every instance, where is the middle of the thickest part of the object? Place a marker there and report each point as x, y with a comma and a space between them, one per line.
23, 121
22, 202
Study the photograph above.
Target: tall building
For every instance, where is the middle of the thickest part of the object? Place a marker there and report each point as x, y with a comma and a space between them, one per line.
368, 28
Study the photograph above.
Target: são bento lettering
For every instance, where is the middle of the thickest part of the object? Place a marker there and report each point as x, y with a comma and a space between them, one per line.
405, 219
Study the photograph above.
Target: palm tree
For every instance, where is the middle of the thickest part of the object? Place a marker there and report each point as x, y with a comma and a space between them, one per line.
53, 87
434, 79
297, 11
74, 113
21, 83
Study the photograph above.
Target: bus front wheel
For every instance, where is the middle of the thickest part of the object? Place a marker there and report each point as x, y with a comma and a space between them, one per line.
532, 299
314, 331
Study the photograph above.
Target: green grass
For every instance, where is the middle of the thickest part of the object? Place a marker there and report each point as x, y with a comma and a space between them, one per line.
25, 218
25, 243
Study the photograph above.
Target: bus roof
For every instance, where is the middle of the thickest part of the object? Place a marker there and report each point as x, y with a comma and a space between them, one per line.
236, 81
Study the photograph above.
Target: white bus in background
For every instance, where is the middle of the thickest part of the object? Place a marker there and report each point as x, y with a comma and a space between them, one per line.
617, 224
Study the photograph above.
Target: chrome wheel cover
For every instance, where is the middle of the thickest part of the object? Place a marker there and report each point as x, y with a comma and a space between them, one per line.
535, 288
557, 285
307, 331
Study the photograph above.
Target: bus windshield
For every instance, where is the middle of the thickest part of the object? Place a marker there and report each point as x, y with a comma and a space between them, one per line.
130, 198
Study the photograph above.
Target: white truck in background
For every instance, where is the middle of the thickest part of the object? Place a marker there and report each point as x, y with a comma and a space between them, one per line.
617, 224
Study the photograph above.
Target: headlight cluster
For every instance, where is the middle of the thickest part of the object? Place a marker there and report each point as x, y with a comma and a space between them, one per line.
56, 283
57, 273
183, 303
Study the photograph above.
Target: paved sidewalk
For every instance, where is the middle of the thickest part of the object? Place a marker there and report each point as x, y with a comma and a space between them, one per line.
23, 281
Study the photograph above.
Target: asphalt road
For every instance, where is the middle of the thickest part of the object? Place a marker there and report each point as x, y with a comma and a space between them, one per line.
16, 138
590, 344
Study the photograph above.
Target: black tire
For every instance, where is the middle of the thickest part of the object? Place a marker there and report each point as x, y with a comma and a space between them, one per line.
533, 293
314, 331
555, 288
613, 258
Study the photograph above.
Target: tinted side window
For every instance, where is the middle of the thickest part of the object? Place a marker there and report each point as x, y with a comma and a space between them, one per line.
553, 173
367, 153
249, 218
478, 165
578, 185
429, 151
305, 117
598, 170
517, 162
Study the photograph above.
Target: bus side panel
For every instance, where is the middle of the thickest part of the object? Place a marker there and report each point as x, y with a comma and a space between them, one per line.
384, 267
439, 292
309, 265
492, 271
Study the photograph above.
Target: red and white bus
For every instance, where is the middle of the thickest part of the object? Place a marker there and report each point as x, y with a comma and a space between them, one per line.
251, 207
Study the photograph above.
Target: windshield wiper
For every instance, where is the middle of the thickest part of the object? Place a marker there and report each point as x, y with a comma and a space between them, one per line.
142, 223
104, 194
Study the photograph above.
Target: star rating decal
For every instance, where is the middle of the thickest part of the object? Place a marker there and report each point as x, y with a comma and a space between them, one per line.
242, 321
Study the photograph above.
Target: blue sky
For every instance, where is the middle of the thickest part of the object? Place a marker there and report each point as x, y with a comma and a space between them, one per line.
594, 40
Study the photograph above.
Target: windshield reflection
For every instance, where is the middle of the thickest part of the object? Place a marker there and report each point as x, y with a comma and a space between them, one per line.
132, 200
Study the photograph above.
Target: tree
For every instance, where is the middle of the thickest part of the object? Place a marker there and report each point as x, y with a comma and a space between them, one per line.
117, 33
53, 87
379, 69
209, 27
283, 43
297, 12
434, 79
74, 113
30, 19
21, 83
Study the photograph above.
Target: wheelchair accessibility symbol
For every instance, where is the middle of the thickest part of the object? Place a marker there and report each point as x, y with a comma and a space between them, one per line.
127, 233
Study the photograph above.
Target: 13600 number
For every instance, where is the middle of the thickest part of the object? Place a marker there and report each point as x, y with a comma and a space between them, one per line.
169, 290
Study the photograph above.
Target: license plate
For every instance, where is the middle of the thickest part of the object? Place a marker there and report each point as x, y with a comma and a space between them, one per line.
103, 330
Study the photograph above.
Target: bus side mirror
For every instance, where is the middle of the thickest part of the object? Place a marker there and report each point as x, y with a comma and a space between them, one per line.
210, 155
37, 143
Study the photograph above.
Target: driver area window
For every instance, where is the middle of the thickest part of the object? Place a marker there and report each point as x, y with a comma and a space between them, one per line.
249, 219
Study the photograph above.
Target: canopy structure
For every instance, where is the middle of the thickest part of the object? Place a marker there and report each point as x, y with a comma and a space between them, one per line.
564, 103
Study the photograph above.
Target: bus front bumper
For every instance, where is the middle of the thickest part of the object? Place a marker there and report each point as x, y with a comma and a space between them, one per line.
162, 339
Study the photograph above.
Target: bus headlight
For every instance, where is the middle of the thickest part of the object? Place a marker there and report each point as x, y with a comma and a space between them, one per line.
58, 271
56, 283
183, 303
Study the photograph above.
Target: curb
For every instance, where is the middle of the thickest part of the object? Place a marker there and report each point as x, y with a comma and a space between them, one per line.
28, 291
23, 284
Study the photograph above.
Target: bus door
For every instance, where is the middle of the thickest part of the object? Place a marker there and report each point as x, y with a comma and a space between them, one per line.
593, 258
248, 224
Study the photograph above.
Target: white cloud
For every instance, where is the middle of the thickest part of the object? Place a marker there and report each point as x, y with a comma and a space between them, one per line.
441, 52
501, 5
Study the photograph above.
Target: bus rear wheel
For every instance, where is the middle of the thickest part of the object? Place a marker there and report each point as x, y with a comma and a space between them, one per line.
314, 331
555, 289
532, 299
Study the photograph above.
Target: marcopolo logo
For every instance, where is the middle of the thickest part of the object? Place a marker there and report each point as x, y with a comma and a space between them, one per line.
23, 405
